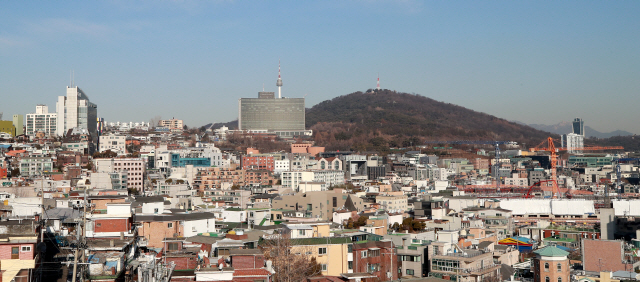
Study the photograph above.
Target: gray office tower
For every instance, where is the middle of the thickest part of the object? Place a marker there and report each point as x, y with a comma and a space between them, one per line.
269, 113
284, 117
578, 126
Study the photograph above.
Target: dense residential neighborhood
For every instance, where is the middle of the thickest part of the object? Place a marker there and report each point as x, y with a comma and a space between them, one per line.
137, 201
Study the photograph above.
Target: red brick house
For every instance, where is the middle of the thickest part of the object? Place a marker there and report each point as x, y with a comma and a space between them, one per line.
378, 258
17, 253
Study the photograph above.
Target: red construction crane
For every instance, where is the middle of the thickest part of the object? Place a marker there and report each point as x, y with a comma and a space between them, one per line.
551, 148
529, 196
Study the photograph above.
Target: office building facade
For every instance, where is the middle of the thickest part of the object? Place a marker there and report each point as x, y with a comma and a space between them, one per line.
76, 111
285, 115
578, 126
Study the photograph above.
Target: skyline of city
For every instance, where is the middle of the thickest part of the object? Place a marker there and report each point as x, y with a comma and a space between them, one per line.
136, 59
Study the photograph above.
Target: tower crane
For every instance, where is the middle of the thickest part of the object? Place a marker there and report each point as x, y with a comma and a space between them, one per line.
553, 150
497, 144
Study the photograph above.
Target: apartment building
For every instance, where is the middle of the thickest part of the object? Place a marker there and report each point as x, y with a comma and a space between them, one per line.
114, 143
41, 121
214, 177
378, 258
34, 166
135, 167
171, 123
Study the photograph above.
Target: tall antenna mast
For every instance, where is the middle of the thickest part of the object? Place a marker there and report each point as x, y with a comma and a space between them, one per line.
378, 85
279, 82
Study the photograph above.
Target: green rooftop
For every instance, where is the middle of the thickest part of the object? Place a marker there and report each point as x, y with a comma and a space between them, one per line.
557, 239
321, 241
551, 251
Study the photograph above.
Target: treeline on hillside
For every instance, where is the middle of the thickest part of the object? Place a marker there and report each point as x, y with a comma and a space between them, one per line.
366, 120
630, 143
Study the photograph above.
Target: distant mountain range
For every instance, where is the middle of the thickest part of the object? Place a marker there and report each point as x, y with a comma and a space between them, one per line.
566, 127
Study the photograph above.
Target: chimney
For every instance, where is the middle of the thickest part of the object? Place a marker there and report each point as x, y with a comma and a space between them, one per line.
121, 235
112, 243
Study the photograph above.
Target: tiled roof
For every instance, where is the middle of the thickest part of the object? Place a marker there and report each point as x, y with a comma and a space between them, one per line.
551, 251
251, 272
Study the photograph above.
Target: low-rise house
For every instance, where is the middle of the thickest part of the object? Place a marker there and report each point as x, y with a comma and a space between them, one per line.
378, 258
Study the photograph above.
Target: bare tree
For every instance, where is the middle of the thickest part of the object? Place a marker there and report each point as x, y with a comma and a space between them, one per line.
290, 261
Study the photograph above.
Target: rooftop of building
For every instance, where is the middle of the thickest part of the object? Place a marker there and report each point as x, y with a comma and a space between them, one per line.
551, 251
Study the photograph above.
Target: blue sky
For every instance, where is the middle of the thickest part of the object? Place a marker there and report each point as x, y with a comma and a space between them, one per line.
530, 61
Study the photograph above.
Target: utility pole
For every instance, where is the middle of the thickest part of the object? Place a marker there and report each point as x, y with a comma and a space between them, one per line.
80, 239
42, 210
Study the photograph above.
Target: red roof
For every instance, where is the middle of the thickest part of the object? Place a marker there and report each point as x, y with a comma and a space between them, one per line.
15, 152
251, 272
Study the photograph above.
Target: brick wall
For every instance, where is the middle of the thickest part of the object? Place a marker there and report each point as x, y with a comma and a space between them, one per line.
243, 262
112, 225
387, 259
541, 273
603, 255
156, 231
5, 251
189, 262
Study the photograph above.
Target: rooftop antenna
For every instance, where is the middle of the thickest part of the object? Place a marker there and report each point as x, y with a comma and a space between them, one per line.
378, 85
263, 87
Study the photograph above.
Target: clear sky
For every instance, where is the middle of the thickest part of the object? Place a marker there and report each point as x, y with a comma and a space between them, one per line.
530, 61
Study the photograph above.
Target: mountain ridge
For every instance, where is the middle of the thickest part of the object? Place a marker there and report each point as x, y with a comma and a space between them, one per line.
566, 127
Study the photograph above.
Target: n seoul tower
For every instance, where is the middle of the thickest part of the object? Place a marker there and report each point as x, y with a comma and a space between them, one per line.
279, 82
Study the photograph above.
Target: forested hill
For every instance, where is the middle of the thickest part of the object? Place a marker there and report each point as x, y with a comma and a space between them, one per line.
398, 119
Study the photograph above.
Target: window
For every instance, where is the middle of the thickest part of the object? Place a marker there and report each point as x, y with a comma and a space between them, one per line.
546, 279
409, 271
155, 210
223, 252
350, 264
335, 202
559, 279
363, 254
26, 248
350, 248
324, 267
172, 246
374, 253
98, 224
301, 232
559, 267
322, 251
170, 225
546, 266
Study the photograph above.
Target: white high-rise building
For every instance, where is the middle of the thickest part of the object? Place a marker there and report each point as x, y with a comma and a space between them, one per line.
76, 111
573, 141
42, 121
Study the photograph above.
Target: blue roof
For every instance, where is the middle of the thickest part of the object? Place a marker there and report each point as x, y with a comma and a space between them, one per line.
522, 239
5, 146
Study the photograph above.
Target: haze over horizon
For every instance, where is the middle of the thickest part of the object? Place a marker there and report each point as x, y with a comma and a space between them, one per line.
533, 62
